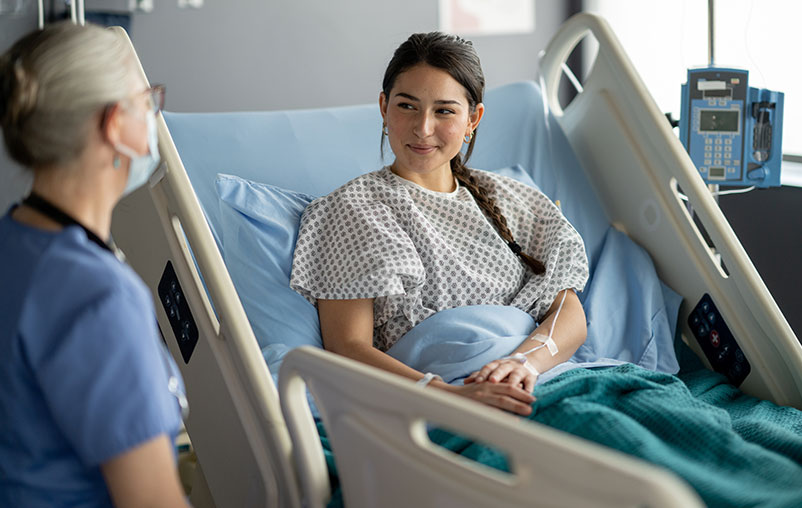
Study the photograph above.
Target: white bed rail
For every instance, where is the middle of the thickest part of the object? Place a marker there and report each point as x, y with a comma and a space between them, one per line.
636, 162
235, 421
377, 426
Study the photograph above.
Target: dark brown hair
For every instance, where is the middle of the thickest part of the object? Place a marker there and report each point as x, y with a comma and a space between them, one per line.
458, 58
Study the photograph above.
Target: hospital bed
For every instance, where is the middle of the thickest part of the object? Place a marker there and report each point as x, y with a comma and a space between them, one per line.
251, 453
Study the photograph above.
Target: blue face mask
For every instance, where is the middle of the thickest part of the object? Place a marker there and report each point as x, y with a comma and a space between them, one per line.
142, 165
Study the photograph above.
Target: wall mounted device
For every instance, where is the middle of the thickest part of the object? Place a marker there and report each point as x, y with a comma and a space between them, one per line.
733, 132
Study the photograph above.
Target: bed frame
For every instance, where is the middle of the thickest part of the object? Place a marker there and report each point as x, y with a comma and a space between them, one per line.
252, 454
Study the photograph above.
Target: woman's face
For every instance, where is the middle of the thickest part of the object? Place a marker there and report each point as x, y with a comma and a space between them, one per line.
428, 116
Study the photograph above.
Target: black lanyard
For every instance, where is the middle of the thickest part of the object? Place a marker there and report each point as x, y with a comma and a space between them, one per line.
50, 210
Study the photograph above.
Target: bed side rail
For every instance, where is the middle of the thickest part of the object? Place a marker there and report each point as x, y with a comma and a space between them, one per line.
376, 423
235, 421
638, 166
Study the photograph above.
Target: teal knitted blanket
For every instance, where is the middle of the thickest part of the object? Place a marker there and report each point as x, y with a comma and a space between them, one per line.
735, 450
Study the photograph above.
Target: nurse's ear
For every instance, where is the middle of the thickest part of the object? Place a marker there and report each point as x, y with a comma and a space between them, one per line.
111, 124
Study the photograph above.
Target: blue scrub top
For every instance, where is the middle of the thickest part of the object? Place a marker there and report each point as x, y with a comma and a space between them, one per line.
83, 373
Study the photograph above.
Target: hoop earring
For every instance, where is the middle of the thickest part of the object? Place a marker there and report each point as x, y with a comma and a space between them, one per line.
116, 161
467, 139
384, 129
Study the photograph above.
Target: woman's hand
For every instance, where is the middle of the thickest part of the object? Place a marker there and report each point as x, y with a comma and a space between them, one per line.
506, 371
501, 395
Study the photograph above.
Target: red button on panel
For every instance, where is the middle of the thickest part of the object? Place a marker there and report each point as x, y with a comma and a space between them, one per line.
714, 338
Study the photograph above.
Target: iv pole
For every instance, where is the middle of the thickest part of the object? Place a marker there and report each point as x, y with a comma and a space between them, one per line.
77, 13
713, 188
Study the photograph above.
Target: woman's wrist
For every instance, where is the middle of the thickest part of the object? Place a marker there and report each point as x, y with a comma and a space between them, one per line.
524, 360
428, 378
441, 385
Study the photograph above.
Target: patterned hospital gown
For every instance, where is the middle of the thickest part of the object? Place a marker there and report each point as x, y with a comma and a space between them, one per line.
418, 251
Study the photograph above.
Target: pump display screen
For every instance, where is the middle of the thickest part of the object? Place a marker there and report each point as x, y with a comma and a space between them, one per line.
718, 120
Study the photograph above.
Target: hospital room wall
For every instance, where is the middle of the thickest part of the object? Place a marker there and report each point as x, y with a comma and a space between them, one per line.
265, 55
13, 180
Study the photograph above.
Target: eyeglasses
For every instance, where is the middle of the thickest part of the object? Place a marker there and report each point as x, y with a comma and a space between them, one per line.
156, 97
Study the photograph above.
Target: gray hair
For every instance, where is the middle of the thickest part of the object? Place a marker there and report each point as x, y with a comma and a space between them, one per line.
53, 82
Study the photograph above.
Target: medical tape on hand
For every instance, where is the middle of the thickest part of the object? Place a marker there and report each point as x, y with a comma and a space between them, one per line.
523, 360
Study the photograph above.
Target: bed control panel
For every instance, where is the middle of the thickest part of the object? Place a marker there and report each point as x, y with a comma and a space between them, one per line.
177, 310
717, 342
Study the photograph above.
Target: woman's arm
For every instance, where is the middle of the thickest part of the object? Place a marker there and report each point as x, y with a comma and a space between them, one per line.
145, 476
347, 329
570, 332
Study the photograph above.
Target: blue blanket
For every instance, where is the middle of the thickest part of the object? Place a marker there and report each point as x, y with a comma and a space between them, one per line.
733, 449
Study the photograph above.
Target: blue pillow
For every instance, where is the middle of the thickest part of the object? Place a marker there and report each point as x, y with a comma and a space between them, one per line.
259, 226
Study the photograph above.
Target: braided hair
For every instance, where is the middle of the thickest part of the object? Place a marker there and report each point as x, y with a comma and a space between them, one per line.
458, 58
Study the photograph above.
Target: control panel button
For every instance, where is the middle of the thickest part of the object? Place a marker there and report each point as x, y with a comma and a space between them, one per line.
717, 342
178, 313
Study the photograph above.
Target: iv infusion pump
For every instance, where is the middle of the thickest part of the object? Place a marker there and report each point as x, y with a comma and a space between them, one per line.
732, 132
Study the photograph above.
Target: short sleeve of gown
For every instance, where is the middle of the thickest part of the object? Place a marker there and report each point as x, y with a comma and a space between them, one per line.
104, 377
555, 242
351, 248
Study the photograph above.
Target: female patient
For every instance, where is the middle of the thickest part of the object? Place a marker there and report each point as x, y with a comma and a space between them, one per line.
87, 411
391, 248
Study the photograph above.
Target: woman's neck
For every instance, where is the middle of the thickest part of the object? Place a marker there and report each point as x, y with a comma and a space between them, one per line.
438, 180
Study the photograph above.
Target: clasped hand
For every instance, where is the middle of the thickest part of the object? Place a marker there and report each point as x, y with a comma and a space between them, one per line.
506, 384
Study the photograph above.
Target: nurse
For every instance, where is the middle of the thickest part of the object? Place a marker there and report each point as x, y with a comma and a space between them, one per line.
89, 402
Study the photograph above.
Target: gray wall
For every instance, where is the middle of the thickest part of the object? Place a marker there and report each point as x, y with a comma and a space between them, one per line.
285, 54
14, 181
303, 53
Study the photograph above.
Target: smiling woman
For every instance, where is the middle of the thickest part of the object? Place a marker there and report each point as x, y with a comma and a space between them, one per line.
393, 247
426, 130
